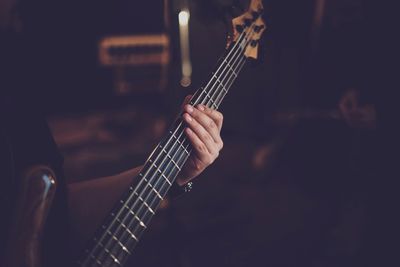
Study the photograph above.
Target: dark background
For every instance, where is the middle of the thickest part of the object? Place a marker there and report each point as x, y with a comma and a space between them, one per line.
297, 183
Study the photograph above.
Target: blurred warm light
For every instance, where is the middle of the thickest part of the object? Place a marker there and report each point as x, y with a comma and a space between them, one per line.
186, 69
184, 16
186, 81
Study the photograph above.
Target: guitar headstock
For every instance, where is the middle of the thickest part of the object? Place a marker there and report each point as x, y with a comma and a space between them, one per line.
252, 26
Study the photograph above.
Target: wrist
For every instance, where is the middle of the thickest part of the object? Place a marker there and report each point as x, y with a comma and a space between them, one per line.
177, 190
183, 179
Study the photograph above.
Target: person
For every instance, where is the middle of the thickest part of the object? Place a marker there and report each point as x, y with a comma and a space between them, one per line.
29, 69
27, 141
203, 132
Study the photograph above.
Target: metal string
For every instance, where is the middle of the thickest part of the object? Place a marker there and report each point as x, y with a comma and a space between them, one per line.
230, 81
173, 146
168, 173
162, 162
219, 98
179, 160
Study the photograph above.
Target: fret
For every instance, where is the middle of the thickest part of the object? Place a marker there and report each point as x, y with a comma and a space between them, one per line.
172, 134
127, 230
231, 69
130, 233
173, 162
162, 174
166, 179
108, 252
155, 191
158, 192
176, 164
179, 142
96, 260
213, 104
205, 91
145, 203
230, 81
91, 257
117, 241
223, 87
211, 100
114, 258
181, 145
134, 216
152, 186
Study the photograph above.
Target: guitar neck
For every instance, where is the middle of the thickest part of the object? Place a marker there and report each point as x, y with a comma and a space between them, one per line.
121, 231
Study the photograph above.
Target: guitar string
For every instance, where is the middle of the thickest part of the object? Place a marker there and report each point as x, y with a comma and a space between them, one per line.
118, 255
113, 221
230, 81
186, 146
182, 132
170, 171
164, 182
222, 93
179, 159
148, 181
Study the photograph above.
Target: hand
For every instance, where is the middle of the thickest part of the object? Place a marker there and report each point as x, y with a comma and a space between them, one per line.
203, 131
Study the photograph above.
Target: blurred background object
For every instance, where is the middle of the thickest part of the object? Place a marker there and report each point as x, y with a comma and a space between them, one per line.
296, 179
140, 62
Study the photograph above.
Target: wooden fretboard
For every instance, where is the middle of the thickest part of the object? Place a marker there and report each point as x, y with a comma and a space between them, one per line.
116, 238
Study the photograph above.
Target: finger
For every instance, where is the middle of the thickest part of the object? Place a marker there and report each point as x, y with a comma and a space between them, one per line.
206, 122
215, 115
205, 136
186, 100
200, 149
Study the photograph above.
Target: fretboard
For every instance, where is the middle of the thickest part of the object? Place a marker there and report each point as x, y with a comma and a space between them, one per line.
120, 232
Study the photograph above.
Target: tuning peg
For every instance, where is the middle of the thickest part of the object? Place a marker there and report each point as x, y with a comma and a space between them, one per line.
255, 15
253, 43
239, 28
247, 22
257, 28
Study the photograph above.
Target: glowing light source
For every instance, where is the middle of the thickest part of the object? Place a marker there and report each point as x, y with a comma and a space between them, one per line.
184, 16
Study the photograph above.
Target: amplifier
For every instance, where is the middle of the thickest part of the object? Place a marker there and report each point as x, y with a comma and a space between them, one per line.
140, 62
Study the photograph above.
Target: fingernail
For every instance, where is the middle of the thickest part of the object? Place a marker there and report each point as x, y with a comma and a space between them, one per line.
201, 107
189, 108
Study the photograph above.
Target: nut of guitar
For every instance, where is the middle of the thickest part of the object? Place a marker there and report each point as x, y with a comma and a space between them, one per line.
35, 195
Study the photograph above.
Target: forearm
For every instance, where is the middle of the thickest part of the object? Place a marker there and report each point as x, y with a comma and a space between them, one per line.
90, 201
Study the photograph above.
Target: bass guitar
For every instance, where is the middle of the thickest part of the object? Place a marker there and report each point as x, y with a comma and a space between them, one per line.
115, 240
